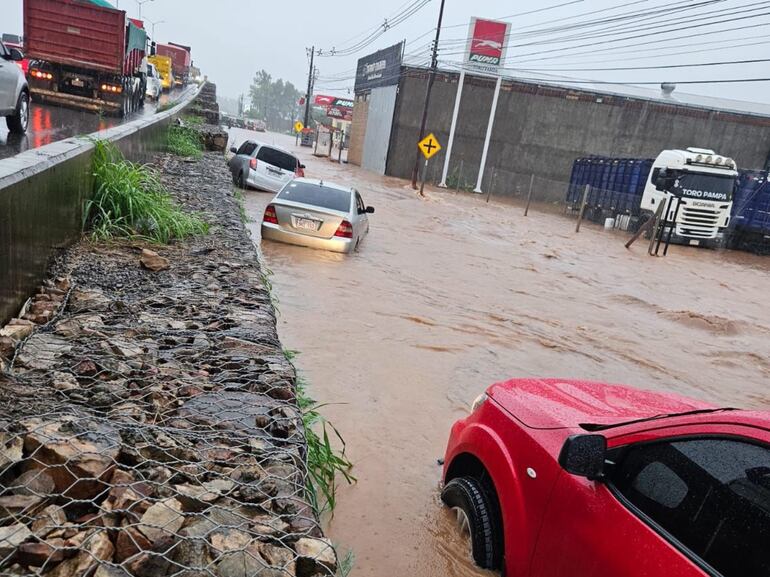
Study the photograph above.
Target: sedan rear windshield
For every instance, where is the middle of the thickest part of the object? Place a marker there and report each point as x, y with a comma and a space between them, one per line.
315, 195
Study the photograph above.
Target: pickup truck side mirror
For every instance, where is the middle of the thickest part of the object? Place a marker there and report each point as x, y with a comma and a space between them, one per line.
16, 54
584, 455
665, 180
233, 150
369, 210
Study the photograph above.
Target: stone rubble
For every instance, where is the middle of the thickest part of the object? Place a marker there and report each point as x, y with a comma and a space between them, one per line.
148, 419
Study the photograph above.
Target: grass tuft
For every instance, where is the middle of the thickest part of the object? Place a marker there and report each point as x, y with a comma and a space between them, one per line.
130, 201
324, 461
185, 141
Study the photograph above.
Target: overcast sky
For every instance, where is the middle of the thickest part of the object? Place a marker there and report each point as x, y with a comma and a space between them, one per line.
232, 39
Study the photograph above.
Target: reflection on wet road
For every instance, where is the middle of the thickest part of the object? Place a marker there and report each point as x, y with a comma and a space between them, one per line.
448, 295
49, 124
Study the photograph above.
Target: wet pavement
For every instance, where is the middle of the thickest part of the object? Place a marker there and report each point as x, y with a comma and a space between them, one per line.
449, 294
48, 123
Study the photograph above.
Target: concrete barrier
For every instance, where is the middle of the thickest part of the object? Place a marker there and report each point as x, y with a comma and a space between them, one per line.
42, 196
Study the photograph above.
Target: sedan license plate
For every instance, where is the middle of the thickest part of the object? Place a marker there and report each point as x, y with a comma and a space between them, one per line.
307, 224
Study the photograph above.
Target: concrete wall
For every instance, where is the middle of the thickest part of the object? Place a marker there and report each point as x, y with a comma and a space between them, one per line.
358, 129
42, 194
379, 122
542, 130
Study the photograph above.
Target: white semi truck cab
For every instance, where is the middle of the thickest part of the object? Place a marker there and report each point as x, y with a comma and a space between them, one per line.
701, 183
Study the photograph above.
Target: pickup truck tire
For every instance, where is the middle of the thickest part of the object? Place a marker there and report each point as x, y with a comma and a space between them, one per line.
470, 496
19, 120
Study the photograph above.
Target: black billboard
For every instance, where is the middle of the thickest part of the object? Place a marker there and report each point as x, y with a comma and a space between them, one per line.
383, 68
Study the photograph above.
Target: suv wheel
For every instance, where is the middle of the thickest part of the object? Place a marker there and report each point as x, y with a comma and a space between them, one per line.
476, 518
18, 122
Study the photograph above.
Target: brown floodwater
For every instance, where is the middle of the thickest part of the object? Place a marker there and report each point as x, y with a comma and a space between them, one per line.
449, 294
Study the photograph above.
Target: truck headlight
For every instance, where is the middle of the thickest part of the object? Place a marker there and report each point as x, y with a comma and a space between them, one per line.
478, 401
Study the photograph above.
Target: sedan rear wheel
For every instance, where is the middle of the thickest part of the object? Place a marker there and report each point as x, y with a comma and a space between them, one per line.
476, 518
19, 120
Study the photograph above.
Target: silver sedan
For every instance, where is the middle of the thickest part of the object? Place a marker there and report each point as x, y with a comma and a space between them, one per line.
317, 214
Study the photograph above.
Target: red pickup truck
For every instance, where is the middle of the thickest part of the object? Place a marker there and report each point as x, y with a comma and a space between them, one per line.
579, 479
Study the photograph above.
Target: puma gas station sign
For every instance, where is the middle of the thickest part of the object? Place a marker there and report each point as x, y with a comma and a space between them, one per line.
487, 41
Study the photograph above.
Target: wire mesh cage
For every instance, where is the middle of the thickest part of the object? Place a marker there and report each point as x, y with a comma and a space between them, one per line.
150, 426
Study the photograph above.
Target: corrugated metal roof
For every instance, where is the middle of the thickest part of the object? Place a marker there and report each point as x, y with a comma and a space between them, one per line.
656, 94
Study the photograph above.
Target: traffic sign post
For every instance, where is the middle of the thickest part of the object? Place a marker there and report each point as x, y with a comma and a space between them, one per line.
429, 146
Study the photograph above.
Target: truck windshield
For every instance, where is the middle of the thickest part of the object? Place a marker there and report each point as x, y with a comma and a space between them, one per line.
703, 186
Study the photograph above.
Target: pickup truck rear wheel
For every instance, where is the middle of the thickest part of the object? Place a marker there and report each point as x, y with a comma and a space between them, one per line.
476, 514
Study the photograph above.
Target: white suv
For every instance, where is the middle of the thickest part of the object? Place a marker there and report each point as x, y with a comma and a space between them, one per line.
263, 166
14, 92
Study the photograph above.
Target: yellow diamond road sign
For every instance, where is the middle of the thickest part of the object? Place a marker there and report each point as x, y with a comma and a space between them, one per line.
298, 126
429, 146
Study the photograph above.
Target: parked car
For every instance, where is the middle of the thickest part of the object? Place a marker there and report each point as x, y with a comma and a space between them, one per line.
16, 41
154, 83
566, 478
263, 166
317, 214
14, 91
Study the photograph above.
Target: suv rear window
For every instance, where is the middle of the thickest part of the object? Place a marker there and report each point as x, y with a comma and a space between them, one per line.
277, 158
315, 195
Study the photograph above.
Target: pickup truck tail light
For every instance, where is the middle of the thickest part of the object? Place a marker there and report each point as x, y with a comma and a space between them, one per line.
270, 216
344, 230
253, 164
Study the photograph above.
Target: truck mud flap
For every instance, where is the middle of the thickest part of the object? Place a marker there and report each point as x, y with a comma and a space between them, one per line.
70, 100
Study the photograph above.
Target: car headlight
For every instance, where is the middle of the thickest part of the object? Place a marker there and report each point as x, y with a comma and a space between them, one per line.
478, 401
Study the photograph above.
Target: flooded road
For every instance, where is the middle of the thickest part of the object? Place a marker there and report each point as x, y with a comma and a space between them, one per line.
449, 294
49, 123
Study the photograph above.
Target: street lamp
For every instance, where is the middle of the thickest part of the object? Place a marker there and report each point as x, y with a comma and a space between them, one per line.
153, 27
139, 3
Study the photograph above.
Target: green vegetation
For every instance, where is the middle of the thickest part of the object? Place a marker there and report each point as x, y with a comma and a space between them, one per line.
168, 105
274, 101
241, 200
130, 201
346, 564
324, 462
192, 120
185, 141
457, 182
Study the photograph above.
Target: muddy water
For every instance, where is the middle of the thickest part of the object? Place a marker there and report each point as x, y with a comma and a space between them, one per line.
448, 295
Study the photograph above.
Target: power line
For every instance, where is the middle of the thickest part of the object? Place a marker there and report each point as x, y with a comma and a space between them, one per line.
568, 51
667, 66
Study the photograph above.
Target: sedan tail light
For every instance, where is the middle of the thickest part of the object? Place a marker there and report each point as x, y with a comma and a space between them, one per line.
270, 215
253, 164
345, 230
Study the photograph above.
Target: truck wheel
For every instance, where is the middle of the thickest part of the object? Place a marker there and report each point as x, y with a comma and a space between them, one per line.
19, 120
477, 518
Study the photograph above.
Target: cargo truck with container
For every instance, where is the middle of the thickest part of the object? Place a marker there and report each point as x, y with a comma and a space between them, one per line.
695, 187
85, 54
181, 61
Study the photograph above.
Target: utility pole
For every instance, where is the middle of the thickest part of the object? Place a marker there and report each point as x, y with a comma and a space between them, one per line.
431, 78
309, 87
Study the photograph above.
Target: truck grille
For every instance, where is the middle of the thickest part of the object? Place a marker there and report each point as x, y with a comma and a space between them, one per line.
698, 222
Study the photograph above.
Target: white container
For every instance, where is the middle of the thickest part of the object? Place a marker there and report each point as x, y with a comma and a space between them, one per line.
609, 223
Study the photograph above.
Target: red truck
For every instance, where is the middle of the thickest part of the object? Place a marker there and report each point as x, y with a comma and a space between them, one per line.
181, 60
85, 54
562, 478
